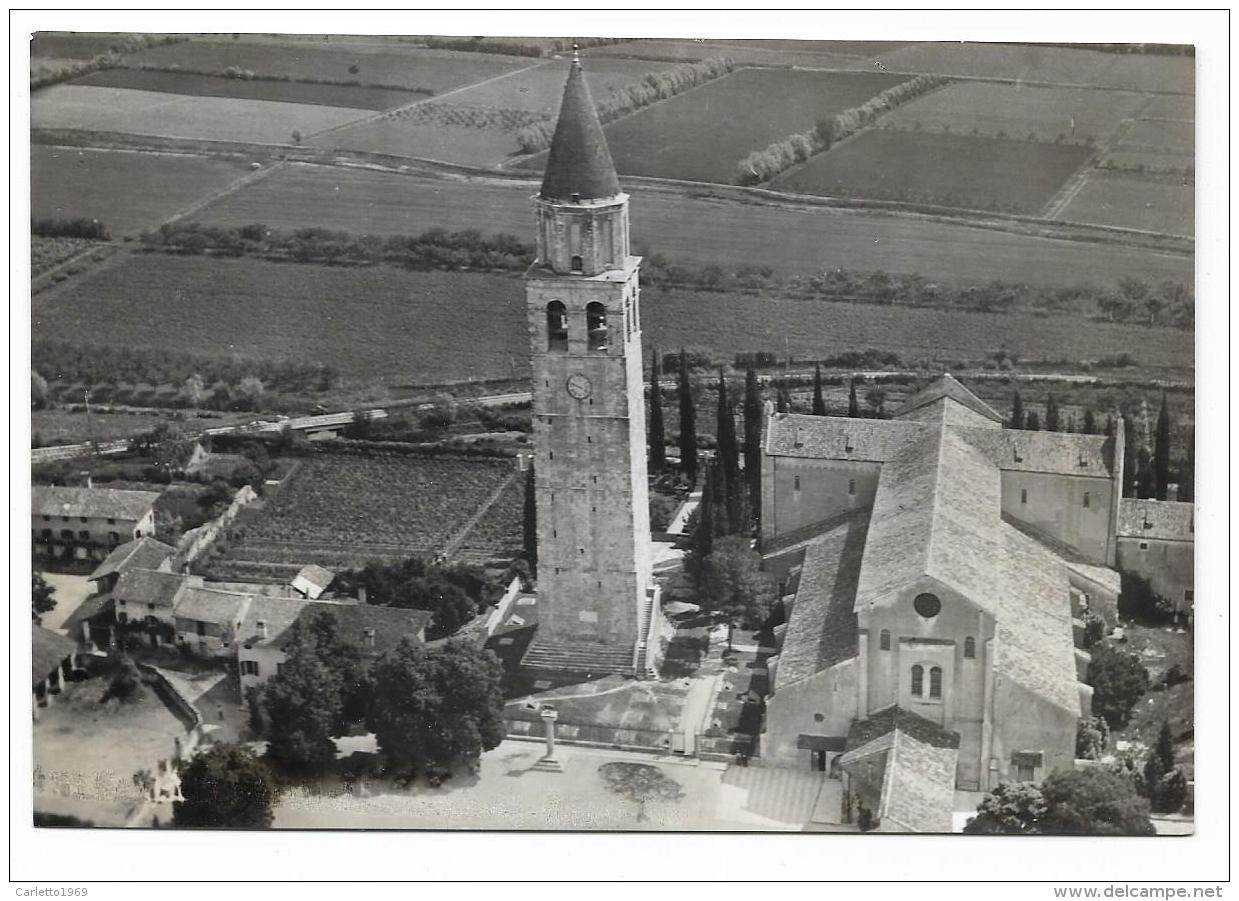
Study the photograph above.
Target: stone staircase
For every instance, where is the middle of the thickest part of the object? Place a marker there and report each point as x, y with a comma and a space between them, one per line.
644, 616
578, 657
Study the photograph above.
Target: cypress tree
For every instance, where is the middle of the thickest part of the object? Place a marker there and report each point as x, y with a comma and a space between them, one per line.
1146, 478
1017, 411
531, 521
688, 422
1187, 472
1090, 423
1164, 749
1031, 422
853, 403
716, 487
753, 412
819, 405
702, 542
1161, 451
1051, 413
729, 455
1131, 457
658, 432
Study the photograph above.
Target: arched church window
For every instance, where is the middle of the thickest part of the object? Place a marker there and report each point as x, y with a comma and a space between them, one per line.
970, 647
577, 266
596, 326
884, 640
935, 682
556, 326
918, 680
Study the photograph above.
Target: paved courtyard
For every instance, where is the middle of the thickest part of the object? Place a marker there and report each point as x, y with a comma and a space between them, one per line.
508, 793
70, 591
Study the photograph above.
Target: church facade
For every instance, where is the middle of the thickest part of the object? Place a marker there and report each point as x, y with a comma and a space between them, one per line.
597, 604
936, 569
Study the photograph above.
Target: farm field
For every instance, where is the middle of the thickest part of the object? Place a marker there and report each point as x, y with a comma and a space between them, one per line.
61, 47
396, 327
1069, 114
703, 134
1151, 204
385, 64
63, 427
179, 116
425, 136
499, 532
948, 170
1160, 136
1055, 65
45, 253
1172, 106
125, 191
345, 96
692, 229
747, 53
338, 508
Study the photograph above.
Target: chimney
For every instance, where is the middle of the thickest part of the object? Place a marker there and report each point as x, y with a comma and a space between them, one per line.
262, 628
361, 594
368, 638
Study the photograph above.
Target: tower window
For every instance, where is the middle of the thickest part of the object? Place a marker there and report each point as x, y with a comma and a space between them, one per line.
556, 326
1023, 495
576, 264
596, 326
935, 682
851, 486
970, 647
1086, 500
796, 483
918, 680
884, 640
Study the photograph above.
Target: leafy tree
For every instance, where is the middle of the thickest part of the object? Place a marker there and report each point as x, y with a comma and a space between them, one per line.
126, 682
819, 404
226, 786
1013, 808
1017, 411
640, 783
38, 391
735, 585
433, 707
1151, 774
783, 398
1170, 791
1093, 801
1161, 452
1051, 413
853, 403
450, 604
530, 520
1146, 476
1094, 630
168, 527
42, 597
1092, 734
688, 422
1119, 679
193, 391
1031, 422
753, 413
658, 432
302, 703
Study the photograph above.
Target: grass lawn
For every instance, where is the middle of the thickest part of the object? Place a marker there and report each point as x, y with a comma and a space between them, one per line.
127, 192
1160, 204
692, 229
180, 116
943, 169
86, 747
346, 96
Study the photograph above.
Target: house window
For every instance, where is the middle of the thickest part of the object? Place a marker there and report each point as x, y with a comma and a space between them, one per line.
1144, 545
935, 682
279, 668
47, 519
884, 640
556, 326
970, 647
84, 535
249, 667
596, 326
1086, 500
46, 533
201, 627
114, 538
851, 486
1023, 495
82, 518
796, 483
918, 680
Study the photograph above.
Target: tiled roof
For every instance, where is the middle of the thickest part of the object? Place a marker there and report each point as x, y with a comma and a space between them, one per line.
893, 718
822, 629
947, 388
49, 649
207, 605
279, 613
1159, 520
142, 553
48, 500
1070, 557
316, 575
829, 437
389, 624
1063, 453
918, 792
579, 163
1035, 646
146, 586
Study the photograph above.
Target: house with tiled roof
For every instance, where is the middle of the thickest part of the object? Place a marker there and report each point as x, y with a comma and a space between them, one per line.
148, 597
312, 580
934, 569
141, 553
1157, 541
208, 621
88, 523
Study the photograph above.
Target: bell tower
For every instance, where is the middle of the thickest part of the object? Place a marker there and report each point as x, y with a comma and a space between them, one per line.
596, 595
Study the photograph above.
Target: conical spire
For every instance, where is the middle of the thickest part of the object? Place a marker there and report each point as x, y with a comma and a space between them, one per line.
579, 165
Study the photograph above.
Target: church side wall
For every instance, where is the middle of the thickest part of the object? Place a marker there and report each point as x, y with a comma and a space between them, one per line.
826, 488
1025, 722
794, 709
1168, 565
1054, 504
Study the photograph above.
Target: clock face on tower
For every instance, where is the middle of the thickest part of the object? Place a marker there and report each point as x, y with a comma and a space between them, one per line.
579, 386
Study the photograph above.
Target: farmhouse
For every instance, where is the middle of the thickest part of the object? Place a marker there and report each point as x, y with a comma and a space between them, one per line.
142, 553
1156, 541
148, 597
935, 568
88, 523
208, 621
